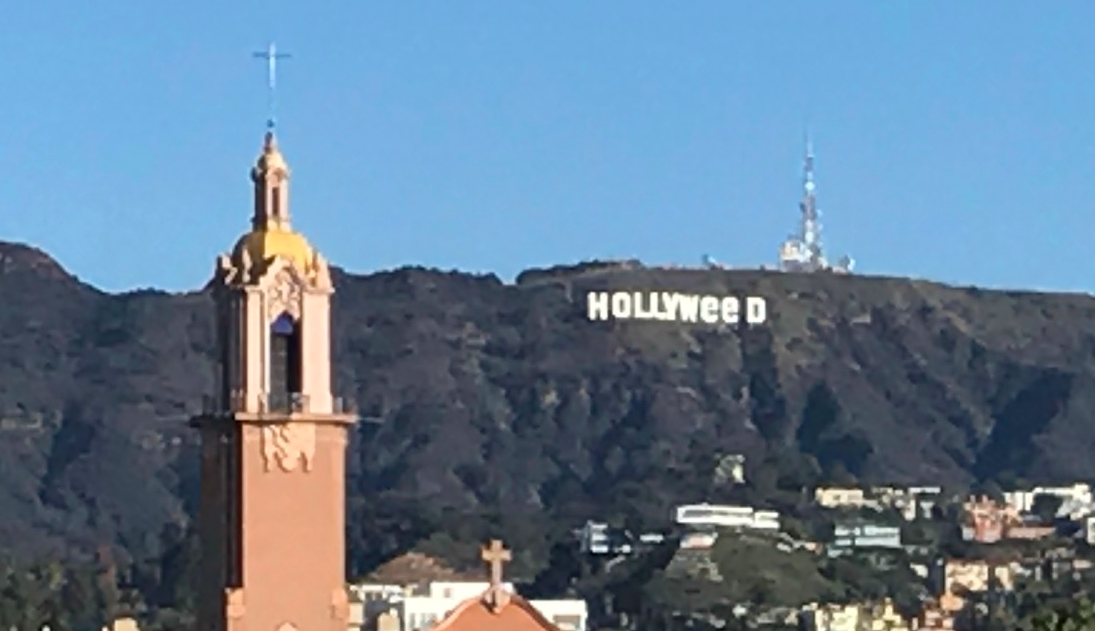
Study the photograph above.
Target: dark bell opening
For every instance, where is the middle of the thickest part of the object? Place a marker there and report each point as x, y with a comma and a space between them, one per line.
285, 364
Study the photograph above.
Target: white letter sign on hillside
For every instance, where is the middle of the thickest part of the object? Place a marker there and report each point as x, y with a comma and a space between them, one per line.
667, 306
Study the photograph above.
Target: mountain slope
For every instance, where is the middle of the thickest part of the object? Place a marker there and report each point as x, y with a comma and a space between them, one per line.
493, 394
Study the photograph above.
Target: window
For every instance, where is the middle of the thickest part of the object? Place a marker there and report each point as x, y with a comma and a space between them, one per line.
285, 363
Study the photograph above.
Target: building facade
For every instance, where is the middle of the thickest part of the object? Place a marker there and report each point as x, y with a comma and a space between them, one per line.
273, 438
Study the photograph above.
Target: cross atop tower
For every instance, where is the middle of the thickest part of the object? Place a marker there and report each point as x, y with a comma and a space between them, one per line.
495, 555
271, 55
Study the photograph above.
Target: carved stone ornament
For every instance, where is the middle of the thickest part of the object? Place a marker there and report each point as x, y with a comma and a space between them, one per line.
233, 608
340, 604
226, 271
286, 445
246, 266
321, 272
283, 295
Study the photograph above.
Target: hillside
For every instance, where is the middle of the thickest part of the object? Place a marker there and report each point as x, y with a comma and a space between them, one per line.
492, 395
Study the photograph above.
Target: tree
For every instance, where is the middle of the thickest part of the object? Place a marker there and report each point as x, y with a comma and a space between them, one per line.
24, 600
797, 471
821, 413
565, 565
79, 595
1076, 615
107, 592
838, 475
178, 568
989, 489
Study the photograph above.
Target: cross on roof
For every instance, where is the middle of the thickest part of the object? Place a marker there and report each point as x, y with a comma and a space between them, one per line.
495, 555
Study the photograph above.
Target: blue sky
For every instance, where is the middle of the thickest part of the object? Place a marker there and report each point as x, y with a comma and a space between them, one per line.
955, 141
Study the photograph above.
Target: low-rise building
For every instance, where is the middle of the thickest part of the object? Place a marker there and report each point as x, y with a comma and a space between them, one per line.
976, 575
706, 516
881, 616
1077, 499
848, 537
419, 605
912, 503
599, 538
837, 497
987, 521
935, 617
884, 616
1089, 529
831, 617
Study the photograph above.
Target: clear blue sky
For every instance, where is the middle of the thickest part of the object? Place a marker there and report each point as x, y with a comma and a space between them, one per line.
955, 141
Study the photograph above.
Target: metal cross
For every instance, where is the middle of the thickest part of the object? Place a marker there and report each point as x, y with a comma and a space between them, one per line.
495, 555
271, 55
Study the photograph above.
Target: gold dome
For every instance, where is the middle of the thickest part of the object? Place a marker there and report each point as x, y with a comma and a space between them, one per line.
271, 235
262, 246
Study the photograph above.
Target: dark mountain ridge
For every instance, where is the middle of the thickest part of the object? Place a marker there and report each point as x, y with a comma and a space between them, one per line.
504, 396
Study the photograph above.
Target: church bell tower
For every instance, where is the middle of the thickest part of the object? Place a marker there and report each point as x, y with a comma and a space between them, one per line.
273, 438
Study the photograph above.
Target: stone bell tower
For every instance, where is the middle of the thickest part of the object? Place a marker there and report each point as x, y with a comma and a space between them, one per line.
273, 439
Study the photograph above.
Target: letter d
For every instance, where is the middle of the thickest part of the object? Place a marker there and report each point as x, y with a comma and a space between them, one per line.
756, 310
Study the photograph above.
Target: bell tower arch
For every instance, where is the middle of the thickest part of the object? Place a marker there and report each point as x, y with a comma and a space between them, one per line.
272, 514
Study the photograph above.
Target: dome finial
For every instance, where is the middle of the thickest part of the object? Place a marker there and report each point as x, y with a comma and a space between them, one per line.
270, 176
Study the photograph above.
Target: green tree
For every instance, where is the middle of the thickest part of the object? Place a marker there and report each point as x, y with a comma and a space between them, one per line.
107, 593
25, 599
989, 489
80, 597
178, 568
1075, 615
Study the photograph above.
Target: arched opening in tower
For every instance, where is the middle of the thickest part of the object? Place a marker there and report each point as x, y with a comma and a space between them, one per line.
285, 363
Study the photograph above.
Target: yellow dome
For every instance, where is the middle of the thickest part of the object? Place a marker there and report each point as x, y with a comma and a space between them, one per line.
264, 245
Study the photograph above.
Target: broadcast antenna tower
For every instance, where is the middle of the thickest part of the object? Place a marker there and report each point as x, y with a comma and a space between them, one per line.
811, 217
271, 55
802, 251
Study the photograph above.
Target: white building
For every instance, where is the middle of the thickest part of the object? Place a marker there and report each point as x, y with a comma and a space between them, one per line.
419, 607
849, 537
698, 540
915, 502
836, 497
1076, 499
596, 538
726, 516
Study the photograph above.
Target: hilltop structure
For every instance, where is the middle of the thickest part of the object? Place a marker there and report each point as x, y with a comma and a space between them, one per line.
804, 252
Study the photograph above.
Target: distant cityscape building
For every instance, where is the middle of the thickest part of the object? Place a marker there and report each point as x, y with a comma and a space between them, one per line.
417, 592
914, 502
600, 538
804, 252
859, 536
1076, 499
714, 516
